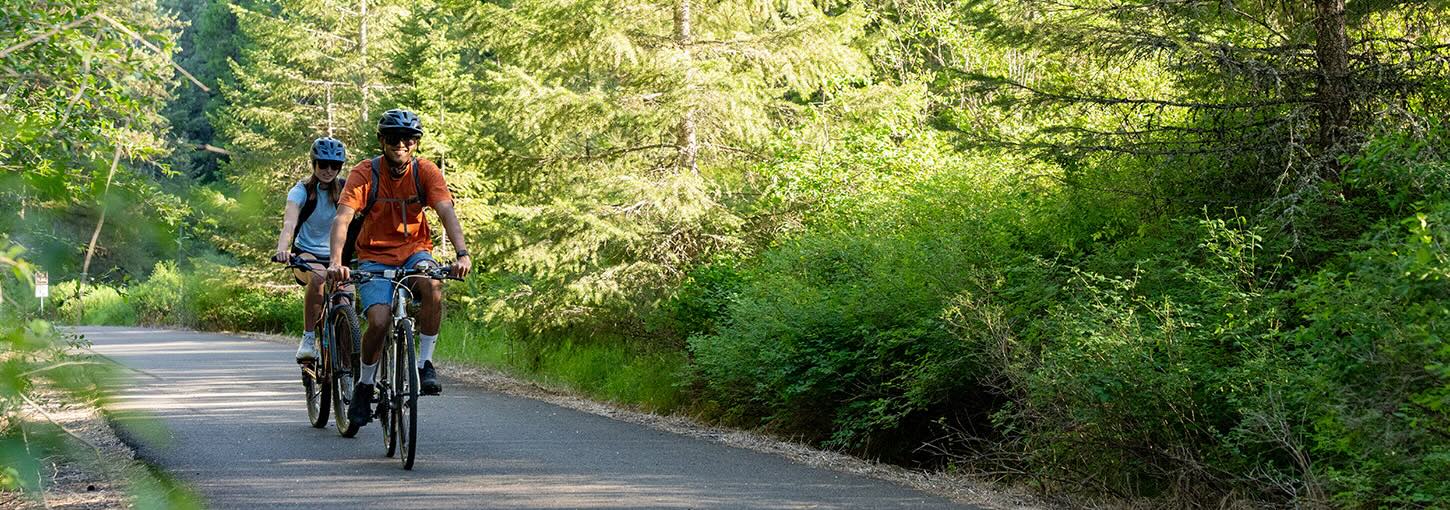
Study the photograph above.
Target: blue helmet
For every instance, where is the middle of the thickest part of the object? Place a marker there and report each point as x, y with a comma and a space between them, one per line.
328, 149
398, 119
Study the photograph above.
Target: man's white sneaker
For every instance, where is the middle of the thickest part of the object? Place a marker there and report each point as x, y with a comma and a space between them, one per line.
307, 350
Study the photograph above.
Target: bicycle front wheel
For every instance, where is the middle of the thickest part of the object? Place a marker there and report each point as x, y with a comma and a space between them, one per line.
387, 400
405, 412
345, 344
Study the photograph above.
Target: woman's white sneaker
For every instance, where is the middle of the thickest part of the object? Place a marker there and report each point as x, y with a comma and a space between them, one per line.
307, 350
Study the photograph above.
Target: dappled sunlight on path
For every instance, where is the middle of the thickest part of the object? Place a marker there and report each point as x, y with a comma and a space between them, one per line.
236, 427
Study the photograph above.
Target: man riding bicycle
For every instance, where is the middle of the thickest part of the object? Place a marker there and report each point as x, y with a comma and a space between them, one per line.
390, 191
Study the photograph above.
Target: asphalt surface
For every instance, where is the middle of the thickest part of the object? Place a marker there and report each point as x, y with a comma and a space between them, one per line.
235, 427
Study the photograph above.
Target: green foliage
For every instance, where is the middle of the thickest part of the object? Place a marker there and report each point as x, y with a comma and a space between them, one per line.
101, 304
210, 296
1132, 247
83, 97
1375, 332
1188, 344
36, 358
160, 297
840, 333
601, 368
224, 298
623, 128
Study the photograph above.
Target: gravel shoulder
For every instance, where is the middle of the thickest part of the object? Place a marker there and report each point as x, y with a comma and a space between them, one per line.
97, 471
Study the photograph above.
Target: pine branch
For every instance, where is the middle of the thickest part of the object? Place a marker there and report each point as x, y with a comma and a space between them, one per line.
1116, 101
603, 155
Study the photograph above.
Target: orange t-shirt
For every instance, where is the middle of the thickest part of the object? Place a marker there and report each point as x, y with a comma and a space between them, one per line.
393, 230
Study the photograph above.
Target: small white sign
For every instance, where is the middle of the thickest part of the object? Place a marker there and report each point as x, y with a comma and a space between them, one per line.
42, 285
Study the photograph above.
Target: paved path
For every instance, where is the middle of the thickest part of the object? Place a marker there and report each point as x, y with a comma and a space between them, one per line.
236, 427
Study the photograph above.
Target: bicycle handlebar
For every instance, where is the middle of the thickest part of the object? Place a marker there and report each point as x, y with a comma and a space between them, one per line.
436, 273
359, 276
299, 263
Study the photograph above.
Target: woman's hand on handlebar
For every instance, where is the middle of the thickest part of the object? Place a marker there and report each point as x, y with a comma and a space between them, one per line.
282, 257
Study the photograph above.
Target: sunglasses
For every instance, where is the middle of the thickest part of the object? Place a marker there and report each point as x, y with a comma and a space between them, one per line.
397, 138
328, 165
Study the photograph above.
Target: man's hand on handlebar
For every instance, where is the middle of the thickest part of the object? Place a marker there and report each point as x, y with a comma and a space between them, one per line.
282, 257
339, 272
461, 266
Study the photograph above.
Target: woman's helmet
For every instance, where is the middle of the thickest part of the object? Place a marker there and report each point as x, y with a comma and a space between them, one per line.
398, 119
329, 149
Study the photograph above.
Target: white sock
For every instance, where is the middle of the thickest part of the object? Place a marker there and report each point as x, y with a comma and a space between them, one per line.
368, 374
426, 343
309, 335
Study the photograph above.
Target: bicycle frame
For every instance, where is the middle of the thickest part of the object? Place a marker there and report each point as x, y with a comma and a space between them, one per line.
333, 294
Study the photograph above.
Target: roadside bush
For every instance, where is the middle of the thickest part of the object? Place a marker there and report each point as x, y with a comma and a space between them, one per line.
1128, 390
159, 300
839, 335
224, 298
103, 305
1379, 384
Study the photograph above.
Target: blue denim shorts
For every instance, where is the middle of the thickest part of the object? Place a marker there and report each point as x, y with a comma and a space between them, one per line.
379, 291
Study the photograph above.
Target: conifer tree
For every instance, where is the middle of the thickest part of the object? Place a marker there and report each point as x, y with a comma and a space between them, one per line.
621, 124
1248, 96
304, 69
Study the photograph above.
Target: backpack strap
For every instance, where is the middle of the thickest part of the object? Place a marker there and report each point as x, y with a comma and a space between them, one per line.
421, 197
418, 185
373, 189
308, 205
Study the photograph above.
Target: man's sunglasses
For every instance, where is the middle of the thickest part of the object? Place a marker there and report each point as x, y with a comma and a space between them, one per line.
397, 138
328, 165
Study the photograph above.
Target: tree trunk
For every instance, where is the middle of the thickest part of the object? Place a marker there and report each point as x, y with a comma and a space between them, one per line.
1331, 50
685, 139
362, 49
95, 236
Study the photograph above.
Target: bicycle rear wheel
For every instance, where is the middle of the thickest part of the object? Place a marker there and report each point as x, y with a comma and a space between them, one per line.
345, 345
315, 376
405, 411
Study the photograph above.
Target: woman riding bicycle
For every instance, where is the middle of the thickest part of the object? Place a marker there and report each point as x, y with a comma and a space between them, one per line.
306, 227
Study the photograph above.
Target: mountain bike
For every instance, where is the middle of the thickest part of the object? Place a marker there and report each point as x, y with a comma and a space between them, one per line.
328, 378
397, 386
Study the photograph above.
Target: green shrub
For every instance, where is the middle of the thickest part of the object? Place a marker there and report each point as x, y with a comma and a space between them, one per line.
840, 335
159, 300
1378, 389
225, 298
103, 305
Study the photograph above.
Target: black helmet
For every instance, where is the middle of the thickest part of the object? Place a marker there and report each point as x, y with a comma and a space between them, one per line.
328, 149
398, 119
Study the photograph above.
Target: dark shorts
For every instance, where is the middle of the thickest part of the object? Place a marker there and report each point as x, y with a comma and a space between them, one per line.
380, 290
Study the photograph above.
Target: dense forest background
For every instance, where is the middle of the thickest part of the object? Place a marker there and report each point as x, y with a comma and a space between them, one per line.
1182, 251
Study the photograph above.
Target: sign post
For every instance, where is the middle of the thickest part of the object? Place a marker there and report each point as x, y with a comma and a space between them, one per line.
42, 288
